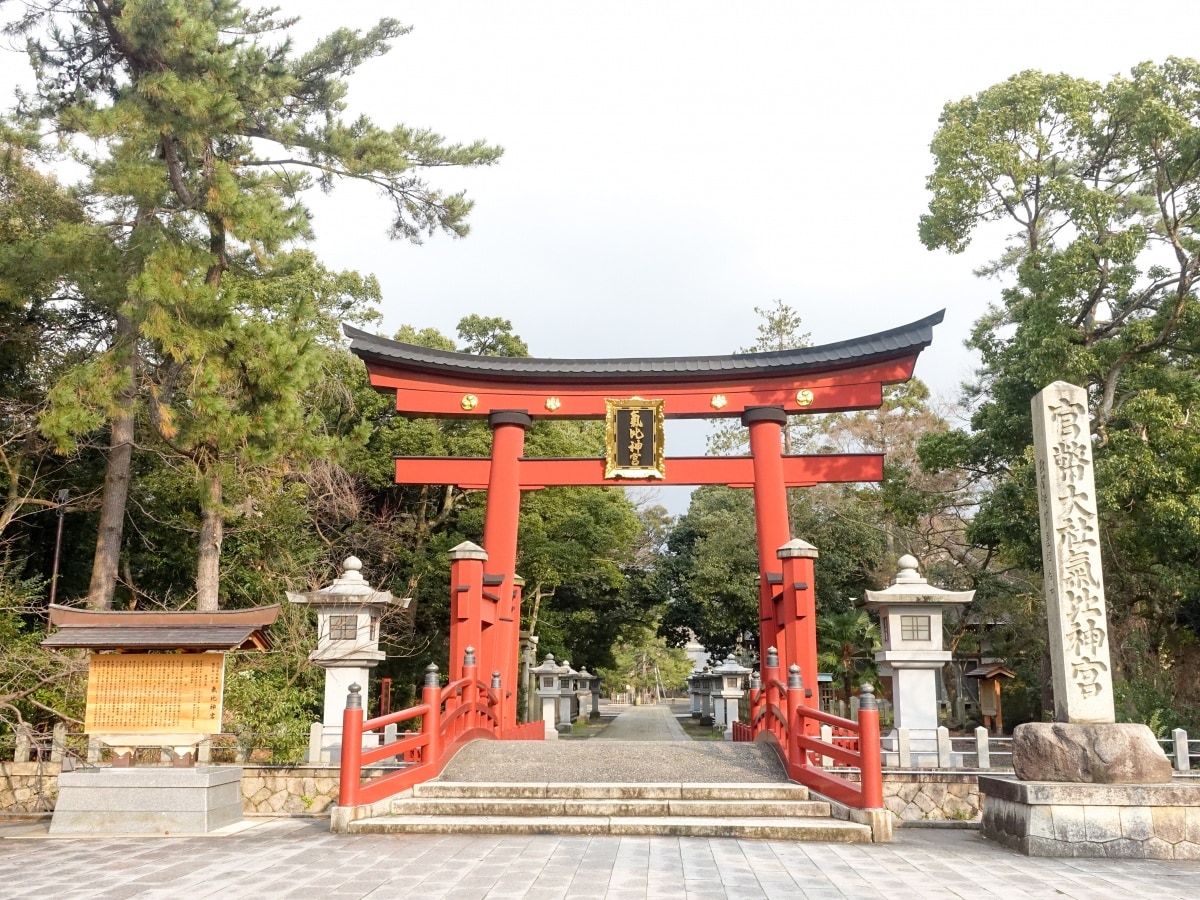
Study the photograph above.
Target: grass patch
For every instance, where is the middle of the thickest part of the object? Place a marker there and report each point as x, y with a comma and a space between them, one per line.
698, 732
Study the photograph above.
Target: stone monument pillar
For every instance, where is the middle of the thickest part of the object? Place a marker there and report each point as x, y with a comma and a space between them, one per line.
1070, 532
1083, 744
1085, 785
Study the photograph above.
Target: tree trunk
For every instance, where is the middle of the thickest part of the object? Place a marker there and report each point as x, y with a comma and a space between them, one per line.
212, 532
117, 471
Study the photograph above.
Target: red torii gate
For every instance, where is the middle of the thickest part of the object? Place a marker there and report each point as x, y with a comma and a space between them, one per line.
761, 388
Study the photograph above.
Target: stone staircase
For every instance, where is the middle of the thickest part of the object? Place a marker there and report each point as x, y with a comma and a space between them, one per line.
779, 811
697, 789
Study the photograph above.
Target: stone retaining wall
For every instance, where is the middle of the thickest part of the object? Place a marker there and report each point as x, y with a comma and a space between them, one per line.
266, 790
932, 796
28, 787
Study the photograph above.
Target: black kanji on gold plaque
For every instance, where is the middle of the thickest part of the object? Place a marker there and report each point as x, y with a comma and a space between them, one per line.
634, 439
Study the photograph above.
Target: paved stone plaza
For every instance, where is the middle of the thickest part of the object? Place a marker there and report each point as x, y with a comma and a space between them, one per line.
300, 858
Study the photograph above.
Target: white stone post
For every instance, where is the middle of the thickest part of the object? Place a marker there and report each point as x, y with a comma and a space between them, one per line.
58, 742
904, 747
316, 738
983, 754
943, 747
827, 737
1183, 755
1070, 531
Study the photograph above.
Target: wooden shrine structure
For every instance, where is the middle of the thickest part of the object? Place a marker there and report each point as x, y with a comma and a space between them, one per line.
634, 397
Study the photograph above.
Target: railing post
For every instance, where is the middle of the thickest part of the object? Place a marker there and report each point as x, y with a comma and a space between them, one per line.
470, 695
24, 746
58, 742
795, 718
904, 748
983, 750
1183, 756
943, 747
431, 724
500, 709
316, 737
352, 730
771, 675
868, 748
756, 700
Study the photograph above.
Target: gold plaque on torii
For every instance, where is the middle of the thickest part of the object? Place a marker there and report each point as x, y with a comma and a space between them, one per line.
154, 693
633, 438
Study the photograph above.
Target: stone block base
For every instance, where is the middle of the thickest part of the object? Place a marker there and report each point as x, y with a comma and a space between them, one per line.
148, 800
1121, 821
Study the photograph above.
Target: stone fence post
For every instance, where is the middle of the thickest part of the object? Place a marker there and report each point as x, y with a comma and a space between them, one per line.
983, 755
1183, 755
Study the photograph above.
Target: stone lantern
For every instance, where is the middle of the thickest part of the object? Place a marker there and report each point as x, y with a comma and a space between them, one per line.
910, 618
583, 692
549, 679
726, 690
348, 614
566, 698
704, 688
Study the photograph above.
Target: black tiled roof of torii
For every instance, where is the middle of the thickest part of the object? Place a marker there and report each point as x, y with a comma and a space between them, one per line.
874, 347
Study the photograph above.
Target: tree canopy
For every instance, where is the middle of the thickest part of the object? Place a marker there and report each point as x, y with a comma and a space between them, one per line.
1098, 187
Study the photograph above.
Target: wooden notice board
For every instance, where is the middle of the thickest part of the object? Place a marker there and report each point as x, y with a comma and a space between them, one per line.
154, 693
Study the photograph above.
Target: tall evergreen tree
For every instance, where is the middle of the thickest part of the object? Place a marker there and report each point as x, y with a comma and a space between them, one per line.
199, 128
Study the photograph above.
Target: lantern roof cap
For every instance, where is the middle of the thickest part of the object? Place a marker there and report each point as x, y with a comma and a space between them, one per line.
910, 586
349, 588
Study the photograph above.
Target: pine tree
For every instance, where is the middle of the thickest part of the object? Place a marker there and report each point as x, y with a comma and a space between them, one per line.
200, 128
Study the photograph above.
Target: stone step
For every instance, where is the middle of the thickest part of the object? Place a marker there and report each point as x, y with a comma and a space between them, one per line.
471, 806
759, 827
609, 791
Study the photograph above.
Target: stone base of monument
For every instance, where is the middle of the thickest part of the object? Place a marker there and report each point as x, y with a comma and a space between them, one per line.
1122, 821
146, 800
1102, 790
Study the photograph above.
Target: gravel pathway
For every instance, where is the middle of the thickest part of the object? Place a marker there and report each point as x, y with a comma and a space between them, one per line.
635, 749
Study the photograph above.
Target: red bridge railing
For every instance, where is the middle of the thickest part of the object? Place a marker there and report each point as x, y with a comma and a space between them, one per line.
779, 710
445, 719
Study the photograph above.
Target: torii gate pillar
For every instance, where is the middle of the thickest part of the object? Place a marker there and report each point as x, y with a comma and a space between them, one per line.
498, 650
770, 520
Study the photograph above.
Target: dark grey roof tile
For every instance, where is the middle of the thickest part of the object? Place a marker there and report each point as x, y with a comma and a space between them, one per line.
883, 345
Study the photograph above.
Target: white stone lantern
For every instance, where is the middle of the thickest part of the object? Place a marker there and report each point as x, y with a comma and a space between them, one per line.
910, 618
549, 680
566, 697
348, 614
727, 689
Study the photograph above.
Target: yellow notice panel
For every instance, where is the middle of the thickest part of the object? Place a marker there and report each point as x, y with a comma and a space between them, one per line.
155, 693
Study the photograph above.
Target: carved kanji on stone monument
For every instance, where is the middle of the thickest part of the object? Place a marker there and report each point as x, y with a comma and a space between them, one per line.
1074, 583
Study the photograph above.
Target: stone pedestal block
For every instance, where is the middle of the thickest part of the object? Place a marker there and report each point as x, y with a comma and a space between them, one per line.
1109, 753
148, 800
1118, 821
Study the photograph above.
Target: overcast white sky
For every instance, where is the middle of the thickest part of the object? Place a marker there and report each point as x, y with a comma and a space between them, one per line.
671, 165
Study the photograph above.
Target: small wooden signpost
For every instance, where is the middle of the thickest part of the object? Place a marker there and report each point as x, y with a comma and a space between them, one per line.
154, 679
139, 694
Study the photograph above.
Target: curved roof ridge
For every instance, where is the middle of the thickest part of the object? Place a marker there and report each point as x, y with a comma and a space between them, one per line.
881, 345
